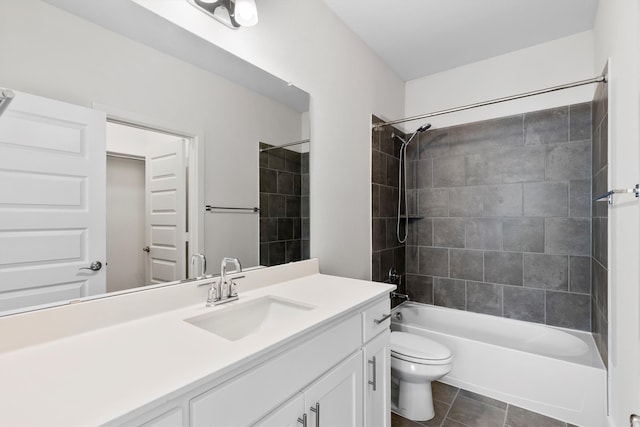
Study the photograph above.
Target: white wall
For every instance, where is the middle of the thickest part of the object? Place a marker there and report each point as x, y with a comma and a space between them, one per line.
51, 53
549, 64
305, 43
616, 37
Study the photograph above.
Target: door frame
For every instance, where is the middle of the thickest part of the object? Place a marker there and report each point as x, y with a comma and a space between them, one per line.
195, 175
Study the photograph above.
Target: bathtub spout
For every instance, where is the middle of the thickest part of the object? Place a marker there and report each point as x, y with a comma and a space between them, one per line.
395, 294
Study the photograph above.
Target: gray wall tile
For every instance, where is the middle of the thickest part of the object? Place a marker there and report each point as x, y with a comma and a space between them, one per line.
580, 198
580, 121
449, 232
523, 234
580, 274
433, 202
524, 303
423, 173
466, 265
546, 126
466, 202
569, 310
546, 199
434, 143
483, 168
420, 232
449, 171
546, 271
412, 259
484, 298
449, 293
569, 161
503, 267
503, 200
483, 233
567, 236
507, 132
420, 288
434, 261
523, 165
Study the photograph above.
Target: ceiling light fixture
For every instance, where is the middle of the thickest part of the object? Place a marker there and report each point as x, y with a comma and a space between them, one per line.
232, 13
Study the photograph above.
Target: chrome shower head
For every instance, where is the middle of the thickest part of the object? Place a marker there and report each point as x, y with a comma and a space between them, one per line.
417, 131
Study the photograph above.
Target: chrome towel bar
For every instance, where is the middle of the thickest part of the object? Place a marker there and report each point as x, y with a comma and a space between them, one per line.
210, 208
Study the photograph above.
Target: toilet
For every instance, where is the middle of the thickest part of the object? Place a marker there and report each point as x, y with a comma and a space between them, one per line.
415, 362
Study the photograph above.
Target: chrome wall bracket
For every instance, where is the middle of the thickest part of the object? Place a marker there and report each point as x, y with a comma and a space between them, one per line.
6, 96
608, 196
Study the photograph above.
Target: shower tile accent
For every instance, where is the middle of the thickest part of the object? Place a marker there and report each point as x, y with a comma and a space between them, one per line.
503, 217
599, 253
284, 206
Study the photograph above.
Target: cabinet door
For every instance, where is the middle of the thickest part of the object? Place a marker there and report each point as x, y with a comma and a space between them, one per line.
290, 414
335, 400
377, 382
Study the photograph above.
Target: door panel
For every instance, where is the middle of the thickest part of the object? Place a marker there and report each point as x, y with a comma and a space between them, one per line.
166, 193
52, 206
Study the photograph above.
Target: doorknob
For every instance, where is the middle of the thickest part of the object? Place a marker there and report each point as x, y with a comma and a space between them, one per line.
147, 249
95, 266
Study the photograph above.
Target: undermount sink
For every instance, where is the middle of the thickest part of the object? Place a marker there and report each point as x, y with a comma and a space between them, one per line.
246, 318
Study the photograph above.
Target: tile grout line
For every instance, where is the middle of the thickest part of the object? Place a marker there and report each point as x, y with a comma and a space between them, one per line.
450, 406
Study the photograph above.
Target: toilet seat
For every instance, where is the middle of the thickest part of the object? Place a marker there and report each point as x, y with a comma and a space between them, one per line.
417, 349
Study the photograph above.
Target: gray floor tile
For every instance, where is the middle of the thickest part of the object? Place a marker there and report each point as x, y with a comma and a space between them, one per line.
451, 423
475, 413
443, 392
398, 421
441, 410
519, 417
483, 399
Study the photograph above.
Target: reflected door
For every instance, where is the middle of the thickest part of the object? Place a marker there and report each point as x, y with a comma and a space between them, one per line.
52, 202
166, 194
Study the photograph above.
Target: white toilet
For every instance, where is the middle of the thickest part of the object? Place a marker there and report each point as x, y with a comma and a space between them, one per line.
415, 362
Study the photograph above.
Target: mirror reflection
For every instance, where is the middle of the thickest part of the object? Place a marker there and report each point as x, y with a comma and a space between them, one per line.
81, 185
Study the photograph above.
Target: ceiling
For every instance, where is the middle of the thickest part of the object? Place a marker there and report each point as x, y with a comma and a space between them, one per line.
422, 37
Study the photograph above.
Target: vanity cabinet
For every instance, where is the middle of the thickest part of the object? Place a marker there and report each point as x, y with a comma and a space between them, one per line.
326, 376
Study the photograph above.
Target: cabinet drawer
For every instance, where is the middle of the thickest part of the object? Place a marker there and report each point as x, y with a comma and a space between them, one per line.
376, 319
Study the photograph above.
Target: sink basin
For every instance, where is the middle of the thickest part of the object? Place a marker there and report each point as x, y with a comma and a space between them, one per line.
246, 318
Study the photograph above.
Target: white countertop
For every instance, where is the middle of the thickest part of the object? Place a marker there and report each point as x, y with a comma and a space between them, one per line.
96, 376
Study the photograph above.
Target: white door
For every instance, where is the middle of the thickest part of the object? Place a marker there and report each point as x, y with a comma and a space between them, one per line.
335, 400
377, 381
52, 202
166, 201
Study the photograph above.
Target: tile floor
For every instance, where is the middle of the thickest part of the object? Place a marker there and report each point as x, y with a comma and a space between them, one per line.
461, 408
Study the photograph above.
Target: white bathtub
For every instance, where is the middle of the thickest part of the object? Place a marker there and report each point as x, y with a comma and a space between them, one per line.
552, 371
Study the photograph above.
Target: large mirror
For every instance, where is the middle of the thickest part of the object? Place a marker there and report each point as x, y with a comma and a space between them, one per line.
180, 125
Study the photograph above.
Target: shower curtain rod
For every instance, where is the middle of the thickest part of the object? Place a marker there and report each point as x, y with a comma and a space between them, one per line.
599, 79
262, 150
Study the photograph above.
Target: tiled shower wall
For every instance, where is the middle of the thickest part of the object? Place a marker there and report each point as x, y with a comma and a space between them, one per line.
599, 289
503, 213
284, 206
387, 251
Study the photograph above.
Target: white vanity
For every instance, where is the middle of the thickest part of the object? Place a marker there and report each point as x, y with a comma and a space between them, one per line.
300, 348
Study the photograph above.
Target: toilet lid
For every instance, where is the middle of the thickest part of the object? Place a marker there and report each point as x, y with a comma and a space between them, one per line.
417, 347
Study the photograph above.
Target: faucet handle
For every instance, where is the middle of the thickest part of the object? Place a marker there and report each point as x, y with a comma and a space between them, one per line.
233, 289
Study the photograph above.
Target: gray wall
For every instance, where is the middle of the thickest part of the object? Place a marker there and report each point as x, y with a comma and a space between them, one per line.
599, 291
505, 216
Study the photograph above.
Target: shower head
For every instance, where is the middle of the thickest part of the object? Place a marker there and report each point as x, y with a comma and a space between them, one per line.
423, 128
417, 131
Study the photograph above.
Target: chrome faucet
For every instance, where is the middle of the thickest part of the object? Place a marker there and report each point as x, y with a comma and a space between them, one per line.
203, 264
225, 289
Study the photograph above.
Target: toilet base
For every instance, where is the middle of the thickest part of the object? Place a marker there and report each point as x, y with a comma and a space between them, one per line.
414, 401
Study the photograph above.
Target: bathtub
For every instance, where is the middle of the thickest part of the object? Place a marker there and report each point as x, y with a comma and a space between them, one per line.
552, 371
